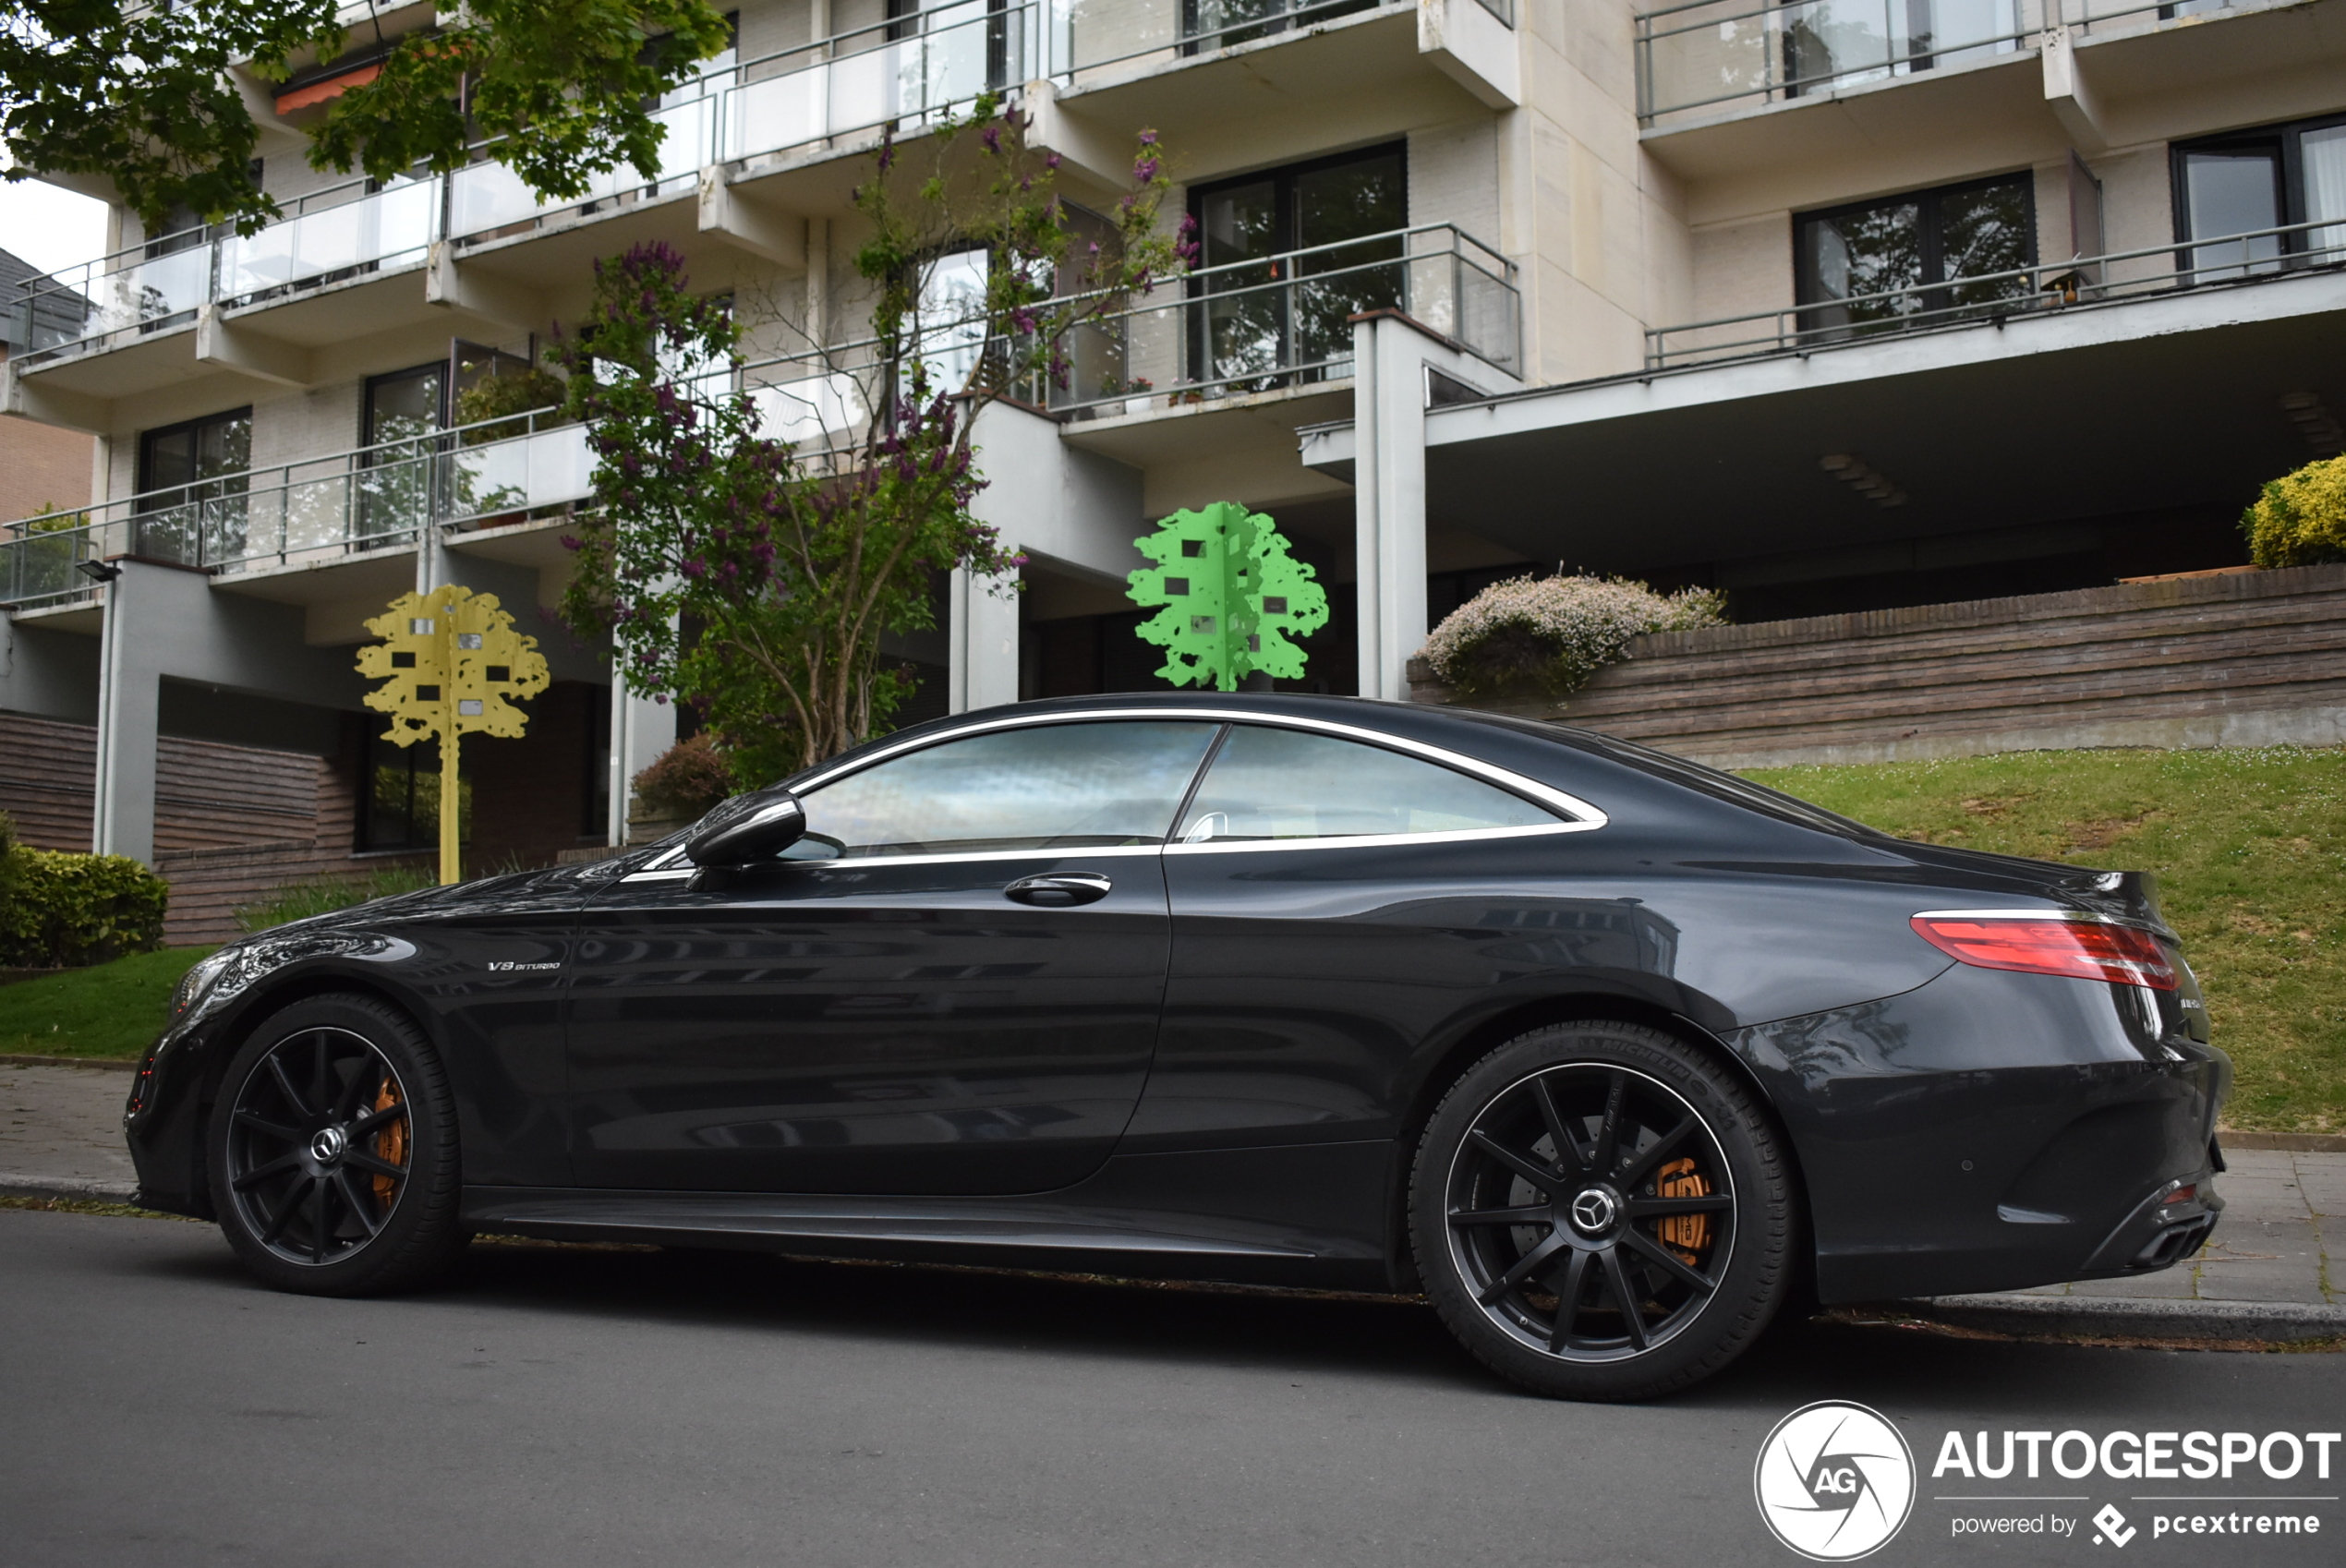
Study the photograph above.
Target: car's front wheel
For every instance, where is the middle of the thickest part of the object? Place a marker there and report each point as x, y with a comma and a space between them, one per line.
1599, 1211
333, 1152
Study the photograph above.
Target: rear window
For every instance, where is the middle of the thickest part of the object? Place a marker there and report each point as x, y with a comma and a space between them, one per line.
1695, 776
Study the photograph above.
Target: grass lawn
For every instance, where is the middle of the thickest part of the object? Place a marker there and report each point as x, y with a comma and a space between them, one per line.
2250, 849
112, 1009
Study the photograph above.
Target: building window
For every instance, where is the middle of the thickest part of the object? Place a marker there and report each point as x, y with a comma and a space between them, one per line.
404, 410
1221, 24
1271, 314
2247, 194
400, 804
1884, 264
191, 482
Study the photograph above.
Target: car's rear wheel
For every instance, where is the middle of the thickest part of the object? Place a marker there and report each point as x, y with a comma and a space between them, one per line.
1599, 1211
333, 1153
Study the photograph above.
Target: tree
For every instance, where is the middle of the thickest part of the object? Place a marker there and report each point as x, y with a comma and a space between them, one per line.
1229, 593
147, 94
754, 579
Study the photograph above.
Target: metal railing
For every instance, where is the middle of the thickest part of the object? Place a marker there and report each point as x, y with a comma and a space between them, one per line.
1720, 54
910, 70
1242, 327
2257, 254
1285, 321
321, 509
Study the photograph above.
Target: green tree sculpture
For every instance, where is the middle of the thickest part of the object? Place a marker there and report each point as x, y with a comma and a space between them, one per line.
1227, 596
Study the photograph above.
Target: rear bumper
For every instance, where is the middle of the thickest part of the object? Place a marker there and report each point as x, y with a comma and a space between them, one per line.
1993, 1131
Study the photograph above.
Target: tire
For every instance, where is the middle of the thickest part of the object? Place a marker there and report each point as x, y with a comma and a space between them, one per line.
1677, 1195
332, 1151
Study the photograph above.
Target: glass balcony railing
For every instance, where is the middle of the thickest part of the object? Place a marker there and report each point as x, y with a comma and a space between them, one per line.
1719, 56
498, 471
1280, 322
909, 70
2259, 255
1286, 320
341, 231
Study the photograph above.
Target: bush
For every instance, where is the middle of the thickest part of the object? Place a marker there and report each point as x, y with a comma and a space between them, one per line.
323, 895
690, 777
2301, 519
503, 396
61, 910
1552, 634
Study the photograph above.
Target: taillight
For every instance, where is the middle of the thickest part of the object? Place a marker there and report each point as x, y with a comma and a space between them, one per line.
2082, 949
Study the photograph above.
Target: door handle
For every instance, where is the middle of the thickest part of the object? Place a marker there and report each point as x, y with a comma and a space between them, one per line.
1059, 890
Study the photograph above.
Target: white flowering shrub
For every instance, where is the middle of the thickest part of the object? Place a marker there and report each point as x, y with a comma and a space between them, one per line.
1555, 632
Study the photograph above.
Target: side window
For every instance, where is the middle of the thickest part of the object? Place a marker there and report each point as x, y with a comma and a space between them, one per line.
1269, 783
1049, 787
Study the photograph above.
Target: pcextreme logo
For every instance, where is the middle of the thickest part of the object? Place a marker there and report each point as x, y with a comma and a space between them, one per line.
1834, 1481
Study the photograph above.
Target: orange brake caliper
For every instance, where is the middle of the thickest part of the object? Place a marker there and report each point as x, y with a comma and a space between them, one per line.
1687, 1235
390, 1144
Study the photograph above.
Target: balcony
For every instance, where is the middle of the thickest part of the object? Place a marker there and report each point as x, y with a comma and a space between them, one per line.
1702, 59
1280, 324
318, 511
907, 72
1996, 299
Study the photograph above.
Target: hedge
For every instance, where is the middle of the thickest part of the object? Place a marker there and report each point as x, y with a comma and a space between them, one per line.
60, 910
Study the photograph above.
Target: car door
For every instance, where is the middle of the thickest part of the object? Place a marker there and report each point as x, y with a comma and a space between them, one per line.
1338, 900
951, 984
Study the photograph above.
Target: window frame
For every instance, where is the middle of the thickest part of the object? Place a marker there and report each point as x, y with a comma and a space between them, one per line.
1934, 291
1577, 815
2288, 136
145, 484
1287, 221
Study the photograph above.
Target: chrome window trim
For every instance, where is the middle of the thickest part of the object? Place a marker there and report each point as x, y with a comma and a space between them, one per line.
957, 857
1584, 816
1376, 840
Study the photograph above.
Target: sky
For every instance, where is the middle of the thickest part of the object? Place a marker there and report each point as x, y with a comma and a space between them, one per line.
50, 228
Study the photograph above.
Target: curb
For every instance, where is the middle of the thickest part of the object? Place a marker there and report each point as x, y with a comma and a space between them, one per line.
104, 1064
2087, 1316
68, 1189
2294, 1142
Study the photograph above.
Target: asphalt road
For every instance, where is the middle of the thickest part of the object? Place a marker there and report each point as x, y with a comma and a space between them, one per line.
578, 1407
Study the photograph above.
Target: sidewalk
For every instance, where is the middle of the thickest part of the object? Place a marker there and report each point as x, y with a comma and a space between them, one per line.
2268, 1275
61, 1133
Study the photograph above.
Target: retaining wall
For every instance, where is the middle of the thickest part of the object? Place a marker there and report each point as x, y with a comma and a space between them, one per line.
2253, 659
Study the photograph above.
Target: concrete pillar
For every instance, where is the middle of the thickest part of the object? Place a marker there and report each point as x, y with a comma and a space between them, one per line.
1077, 509
1392, 355
983, 639
640, 730
122, 818
1388, 409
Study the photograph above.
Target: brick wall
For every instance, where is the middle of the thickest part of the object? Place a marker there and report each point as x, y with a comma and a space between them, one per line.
2248, 660
41, 465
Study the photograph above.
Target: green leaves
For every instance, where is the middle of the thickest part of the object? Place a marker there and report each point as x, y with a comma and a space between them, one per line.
159, 99
557, 87
1230, 597
89, 87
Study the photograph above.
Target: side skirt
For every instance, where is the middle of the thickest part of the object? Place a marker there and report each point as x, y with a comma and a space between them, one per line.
1303, 1215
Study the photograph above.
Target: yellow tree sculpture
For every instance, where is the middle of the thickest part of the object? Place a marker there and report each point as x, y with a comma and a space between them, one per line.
452, 659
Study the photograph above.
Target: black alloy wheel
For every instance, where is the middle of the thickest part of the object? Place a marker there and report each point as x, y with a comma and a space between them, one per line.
1599, 1211
333, 1156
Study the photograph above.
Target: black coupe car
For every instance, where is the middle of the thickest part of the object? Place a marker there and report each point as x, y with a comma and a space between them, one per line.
1607, 1053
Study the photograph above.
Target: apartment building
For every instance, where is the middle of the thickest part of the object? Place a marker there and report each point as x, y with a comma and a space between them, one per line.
1833, 306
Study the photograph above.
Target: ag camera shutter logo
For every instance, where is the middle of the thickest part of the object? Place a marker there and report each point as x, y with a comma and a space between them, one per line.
1834, 1481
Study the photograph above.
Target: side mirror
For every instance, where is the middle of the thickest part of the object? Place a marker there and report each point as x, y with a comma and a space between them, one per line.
768, 823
